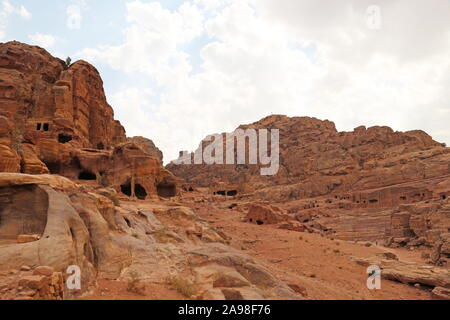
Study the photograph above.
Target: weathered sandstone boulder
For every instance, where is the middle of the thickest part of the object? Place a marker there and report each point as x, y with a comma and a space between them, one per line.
265, 214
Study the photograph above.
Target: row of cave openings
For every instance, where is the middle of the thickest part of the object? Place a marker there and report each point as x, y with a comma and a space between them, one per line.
66, 138
63, 137
229, 193
42, 127
163, 189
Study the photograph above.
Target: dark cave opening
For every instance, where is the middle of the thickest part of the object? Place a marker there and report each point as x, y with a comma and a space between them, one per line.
53, 167
64, 138
232, 193
86, 175
126, 189
166, 190
127, 221
140, 192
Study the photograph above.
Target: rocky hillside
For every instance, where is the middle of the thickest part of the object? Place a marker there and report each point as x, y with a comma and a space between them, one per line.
73, 190
319, 160
76, 192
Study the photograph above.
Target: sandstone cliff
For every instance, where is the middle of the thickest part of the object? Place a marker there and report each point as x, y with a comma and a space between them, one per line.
55, 119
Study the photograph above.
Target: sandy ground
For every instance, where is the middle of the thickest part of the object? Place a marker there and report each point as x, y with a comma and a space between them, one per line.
319, 266
117, 290
322, 266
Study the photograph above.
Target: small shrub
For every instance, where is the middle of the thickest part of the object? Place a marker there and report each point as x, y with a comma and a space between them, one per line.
368, 244
293, 194
16, 140
104, 181
134, 283
425, 255
183, 286
313, 276
68, 63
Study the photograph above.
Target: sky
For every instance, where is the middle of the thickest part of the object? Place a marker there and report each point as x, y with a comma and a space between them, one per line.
176, 71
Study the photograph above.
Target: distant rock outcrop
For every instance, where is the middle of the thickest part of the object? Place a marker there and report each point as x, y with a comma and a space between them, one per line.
316, 159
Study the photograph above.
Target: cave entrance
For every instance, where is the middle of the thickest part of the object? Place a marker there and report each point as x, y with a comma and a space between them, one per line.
221, 193
86, 175
444, 196
232, 193
126, 189
140, 192
53, 167
100, 146
166, 189
64, 138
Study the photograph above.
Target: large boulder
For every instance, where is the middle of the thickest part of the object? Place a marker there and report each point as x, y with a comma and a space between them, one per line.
265, 214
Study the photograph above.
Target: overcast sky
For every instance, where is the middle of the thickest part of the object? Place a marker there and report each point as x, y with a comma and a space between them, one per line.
176, 71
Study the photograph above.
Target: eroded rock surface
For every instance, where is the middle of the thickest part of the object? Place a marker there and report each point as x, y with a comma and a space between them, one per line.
74, 225
56, 120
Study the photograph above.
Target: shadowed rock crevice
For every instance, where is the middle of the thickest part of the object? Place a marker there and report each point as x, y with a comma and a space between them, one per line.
166, 189
140, 192
23, 211
86, 175
126, 189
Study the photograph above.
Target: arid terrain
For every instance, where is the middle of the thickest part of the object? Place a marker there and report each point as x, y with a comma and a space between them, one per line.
75, 191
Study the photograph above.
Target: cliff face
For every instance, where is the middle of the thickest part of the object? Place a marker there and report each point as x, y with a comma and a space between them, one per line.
43, 100
319, 160
57, 120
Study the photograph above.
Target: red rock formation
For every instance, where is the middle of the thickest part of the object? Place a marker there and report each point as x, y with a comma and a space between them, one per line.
265, 214
56, 119
316, 159
370, 184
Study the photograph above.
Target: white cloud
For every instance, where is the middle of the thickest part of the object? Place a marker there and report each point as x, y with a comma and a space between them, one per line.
46, 41
24, 13
74, 13
292, 57
6, 10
